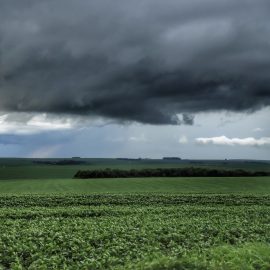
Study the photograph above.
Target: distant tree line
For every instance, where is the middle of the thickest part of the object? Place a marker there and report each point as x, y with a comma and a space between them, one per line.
166, 172
129, 159
171, 158
59, 162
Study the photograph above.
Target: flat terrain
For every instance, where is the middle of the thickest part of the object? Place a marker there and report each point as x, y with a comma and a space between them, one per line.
50, 221
28, 169
196, 185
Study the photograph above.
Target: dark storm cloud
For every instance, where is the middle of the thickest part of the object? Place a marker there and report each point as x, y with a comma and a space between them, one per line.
144, 61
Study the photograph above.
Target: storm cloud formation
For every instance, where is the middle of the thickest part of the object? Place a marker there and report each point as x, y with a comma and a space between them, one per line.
144, 61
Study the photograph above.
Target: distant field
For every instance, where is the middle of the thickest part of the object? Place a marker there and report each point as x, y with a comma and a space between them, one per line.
221, 185
26, 169
57, 179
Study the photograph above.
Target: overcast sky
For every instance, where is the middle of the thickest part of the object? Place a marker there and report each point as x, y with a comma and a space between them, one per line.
146, 78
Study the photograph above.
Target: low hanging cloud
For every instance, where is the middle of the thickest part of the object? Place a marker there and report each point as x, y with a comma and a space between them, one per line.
147, 61
33, 124
223, 140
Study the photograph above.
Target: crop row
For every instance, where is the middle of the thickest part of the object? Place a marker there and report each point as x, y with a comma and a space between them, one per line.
134, 232
131, 199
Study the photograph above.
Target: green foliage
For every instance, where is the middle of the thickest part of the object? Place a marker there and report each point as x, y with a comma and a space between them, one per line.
135, 232
166, 172
247, 256
49, 221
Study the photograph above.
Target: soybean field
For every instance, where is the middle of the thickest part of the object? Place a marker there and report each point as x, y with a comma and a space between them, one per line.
146, 223
135, 232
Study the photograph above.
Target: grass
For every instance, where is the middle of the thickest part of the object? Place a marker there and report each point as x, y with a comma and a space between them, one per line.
221, 185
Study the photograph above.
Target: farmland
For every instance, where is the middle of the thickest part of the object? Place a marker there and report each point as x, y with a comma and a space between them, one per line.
146, 223
29, 169
135, 232
198, 185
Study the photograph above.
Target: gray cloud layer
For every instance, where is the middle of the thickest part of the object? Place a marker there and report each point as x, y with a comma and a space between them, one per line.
144, 61
223, 140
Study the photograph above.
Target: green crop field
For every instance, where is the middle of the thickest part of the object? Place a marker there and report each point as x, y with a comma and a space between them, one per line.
135, 232
181, 185
50, 221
